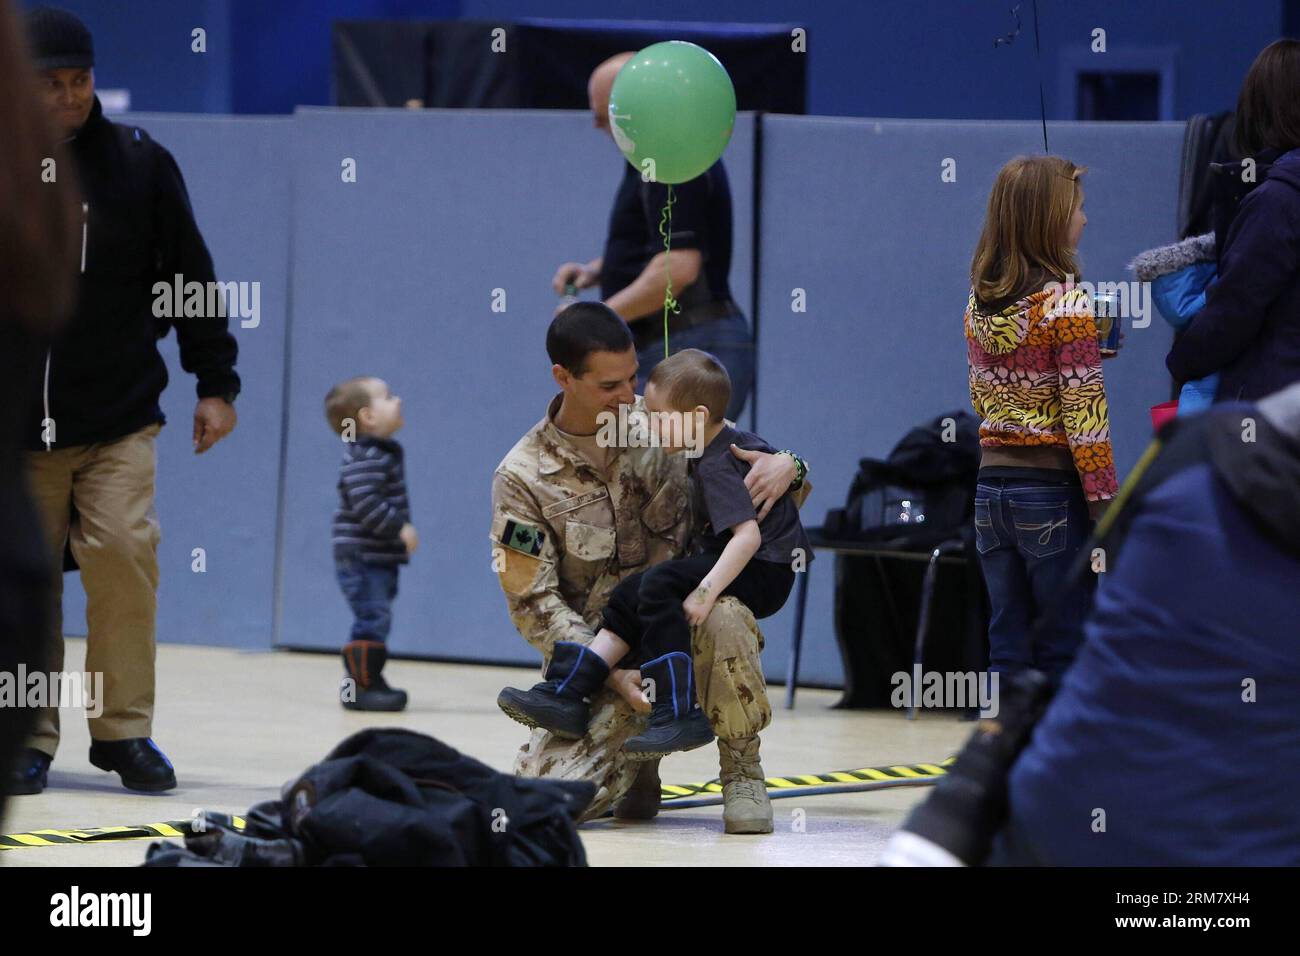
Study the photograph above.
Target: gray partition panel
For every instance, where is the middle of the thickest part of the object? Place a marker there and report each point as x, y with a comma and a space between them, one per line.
395, 275
856, 214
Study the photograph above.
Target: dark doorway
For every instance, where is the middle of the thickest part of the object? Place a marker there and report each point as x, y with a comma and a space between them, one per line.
1118, 96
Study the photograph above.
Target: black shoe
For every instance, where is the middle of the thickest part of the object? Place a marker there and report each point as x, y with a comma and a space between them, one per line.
137, 760
562, 702
641, 802
676, 722
364, 688
30, 773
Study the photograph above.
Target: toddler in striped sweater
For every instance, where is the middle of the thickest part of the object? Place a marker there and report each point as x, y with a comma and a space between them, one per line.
373, 535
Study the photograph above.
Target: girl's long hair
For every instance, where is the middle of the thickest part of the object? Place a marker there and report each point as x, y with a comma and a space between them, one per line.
1023, 245
39, 227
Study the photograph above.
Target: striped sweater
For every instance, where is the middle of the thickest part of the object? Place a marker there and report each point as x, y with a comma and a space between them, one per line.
1036, 379
373, 505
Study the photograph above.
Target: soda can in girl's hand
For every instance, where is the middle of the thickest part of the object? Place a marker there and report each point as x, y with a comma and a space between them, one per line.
1105, 309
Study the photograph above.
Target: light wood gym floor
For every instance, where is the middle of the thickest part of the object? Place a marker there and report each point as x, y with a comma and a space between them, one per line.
237, 725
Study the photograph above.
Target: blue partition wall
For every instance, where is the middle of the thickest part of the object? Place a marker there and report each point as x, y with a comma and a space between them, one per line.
856, 213
455, 212
396, 275
223, 501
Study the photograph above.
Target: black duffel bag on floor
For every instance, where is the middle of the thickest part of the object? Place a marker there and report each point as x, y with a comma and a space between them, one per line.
390, 797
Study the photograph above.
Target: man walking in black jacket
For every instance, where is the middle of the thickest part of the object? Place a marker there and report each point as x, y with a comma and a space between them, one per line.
91, 453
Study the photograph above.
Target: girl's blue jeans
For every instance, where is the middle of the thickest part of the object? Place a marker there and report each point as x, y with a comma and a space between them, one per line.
1029, 534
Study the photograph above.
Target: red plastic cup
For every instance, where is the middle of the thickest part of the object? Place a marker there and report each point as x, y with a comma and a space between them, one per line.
1163, 413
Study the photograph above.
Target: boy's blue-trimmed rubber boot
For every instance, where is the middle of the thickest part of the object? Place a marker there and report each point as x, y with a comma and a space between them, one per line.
676, 722
562, 702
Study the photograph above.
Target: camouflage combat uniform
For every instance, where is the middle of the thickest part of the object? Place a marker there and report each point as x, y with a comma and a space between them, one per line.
563, 535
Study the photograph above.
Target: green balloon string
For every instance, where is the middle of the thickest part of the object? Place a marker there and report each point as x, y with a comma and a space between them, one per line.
666, 230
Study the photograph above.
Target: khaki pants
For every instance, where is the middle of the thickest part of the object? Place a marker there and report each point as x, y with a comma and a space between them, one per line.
731, 689
114, 538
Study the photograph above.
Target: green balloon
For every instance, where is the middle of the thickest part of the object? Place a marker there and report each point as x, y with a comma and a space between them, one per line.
671, 110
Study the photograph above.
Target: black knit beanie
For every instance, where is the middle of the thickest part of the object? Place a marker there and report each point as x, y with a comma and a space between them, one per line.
59, 40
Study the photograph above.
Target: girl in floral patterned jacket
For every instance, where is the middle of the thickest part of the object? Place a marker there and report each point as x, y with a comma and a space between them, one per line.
1047, 469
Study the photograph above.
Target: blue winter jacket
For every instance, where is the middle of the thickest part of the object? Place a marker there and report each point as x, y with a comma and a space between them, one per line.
1180, 274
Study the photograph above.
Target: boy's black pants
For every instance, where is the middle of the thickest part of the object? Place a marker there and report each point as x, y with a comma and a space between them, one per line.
645, 609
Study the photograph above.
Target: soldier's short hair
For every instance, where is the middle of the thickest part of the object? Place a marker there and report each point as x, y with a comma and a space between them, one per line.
581, 329
693, 377
346, 399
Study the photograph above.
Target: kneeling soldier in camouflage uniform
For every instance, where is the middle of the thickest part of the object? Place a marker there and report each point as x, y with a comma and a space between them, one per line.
574, 511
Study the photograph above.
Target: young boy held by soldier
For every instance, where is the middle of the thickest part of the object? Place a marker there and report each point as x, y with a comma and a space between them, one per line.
652, 612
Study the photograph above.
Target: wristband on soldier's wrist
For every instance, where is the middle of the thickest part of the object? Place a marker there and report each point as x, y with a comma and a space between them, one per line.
800, 469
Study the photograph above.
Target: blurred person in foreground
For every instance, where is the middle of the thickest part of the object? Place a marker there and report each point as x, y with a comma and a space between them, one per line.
1174, 739
91, 441
38, 247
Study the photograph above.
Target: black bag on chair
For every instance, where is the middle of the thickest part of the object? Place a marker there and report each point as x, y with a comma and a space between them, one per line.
922, 494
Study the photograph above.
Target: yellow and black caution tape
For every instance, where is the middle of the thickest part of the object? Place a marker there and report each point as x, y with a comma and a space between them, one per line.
918, 774
671, 795
139, 831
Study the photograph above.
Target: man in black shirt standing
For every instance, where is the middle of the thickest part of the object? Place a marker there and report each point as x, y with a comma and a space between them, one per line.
90, 448
631, 272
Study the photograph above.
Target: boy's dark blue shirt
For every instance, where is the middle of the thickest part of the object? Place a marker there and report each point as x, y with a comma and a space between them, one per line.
721, 501
373, 505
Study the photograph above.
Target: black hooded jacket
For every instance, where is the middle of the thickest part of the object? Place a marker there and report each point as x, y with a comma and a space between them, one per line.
102, 374
1249, 328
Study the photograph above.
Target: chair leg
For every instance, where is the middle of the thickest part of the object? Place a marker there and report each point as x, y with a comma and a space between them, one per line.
792, 671
923, 624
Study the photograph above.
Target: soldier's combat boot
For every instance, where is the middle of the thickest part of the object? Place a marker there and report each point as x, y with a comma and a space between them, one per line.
746, 807
562, 702
676, 721
364, 687
641, 802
